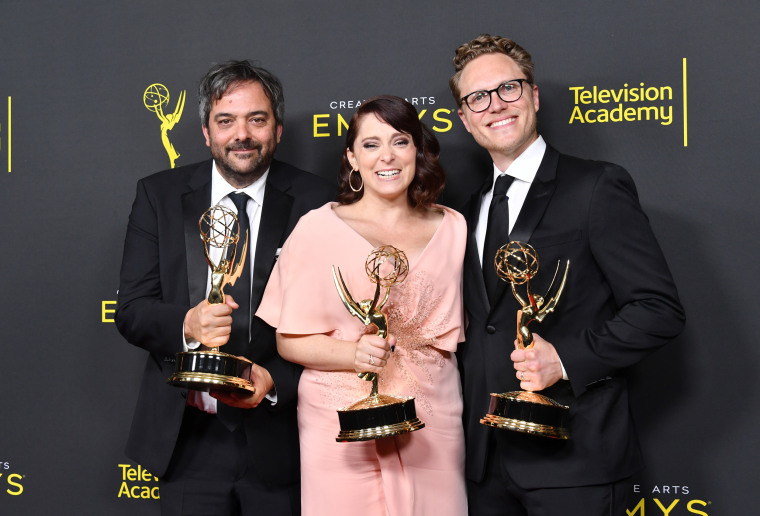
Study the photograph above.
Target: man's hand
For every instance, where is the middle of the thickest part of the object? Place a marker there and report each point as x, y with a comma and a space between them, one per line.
210, 324
538, 367
262, 383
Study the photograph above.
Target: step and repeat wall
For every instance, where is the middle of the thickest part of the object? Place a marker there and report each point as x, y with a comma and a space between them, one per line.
95, 95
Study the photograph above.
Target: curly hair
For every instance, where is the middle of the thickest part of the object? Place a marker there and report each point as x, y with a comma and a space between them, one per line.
487, 44
429, 176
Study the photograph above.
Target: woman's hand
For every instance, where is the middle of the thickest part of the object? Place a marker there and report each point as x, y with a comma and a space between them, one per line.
372, 353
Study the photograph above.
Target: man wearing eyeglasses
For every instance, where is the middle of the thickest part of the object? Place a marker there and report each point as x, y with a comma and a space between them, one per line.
619, 303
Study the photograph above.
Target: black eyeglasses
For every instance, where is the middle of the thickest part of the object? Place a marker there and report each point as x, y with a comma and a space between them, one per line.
480, 100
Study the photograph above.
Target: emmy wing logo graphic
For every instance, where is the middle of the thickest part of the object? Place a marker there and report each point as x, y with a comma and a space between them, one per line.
156, 96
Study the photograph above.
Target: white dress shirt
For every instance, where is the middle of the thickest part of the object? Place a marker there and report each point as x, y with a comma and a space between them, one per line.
523, 169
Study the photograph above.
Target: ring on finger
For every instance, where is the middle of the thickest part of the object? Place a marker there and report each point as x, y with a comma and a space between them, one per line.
522, 376
371, 360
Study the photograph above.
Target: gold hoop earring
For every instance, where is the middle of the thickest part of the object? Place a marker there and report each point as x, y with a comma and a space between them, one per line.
350, 174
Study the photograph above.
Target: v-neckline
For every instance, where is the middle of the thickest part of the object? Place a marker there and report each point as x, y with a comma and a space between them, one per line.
418, 258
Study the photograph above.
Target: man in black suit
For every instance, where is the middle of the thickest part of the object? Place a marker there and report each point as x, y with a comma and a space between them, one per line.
619, 303
219, 453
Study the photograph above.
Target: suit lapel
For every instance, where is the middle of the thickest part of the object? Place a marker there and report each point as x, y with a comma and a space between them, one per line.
538, 198
274, 219
473, 271
539, 195
194, 203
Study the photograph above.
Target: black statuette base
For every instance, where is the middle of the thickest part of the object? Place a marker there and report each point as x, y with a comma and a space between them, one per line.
376, 417
529, 413
211, 370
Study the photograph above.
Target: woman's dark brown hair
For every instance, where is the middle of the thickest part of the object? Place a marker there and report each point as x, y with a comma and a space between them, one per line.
429, 176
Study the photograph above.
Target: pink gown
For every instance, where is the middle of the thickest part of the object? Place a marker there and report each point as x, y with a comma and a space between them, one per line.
419, 473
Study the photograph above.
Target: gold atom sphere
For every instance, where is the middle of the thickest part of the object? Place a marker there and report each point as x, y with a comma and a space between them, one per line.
516, 262
155, 96
218, 226
387, 266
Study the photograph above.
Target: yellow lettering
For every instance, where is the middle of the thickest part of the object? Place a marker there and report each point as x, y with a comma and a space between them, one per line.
138, 474
341, 124
446, 121
105, 311
619, 111
144, 474
634, 95
576, 90
666, 119
604, 96
696, 511
639, 508
576, 115
123, 490
655, 93
647, 111
11, 478
665, 511
622, 114
317, 125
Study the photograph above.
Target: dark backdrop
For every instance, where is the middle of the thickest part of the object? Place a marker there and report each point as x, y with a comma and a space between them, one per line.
75, 136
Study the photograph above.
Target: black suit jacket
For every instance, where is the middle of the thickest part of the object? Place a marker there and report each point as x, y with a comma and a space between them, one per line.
164, 273
619, 305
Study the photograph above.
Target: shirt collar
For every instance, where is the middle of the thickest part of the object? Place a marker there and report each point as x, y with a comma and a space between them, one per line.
525, 166
220, 188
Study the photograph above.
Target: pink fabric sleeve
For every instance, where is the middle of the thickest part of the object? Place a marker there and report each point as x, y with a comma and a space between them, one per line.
300, 297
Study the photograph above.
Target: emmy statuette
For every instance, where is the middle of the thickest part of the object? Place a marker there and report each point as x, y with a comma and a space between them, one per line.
525, 411
156, 96
211, 369
378, 415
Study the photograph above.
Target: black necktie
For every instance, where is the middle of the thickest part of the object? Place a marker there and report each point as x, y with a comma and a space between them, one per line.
231, 417
497, 232
241, 290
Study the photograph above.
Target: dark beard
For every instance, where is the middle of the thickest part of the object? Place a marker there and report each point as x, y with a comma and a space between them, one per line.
257, 166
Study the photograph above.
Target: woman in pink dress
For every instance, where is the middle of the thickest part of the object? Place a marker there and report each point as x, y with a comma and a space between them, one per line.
389, 180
